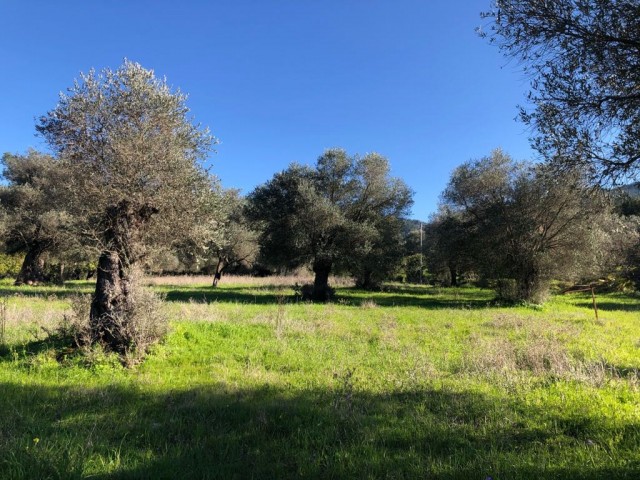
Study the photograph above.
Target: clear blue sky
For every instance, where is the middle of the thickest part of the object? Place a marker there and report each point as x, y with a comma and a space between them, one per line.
279, 81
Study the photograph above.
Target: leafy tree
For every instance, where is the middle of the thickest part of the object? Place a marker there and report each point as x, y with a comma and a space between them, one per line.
238, 242
526, 224
330, 216
222, 239
583, 62
449, 237
381, 255
132, 155
413, 267
36, 221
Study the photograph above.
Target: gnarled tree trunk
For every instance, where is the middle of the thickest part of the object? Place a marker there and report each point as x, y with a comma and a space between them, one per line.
321, 291
32, 270
222, 264
110, 303
110, 299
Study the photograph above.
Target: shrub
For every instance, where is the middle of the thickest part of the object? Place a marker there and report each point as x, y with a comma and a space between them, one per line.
506, 289
141, 323
10, 264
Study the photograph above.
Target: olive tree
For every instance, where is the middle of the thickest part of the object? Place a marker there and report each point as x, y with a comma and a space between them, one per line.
582, 59
449, 237
330, 216
237, 243
526, 224
223, 238
36, 221
132, 153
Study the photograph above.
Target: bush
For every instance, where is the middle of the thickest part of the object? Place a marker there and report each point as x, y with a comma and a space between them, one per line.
509, 290
308, 293
140, 324
506, 290
10, 265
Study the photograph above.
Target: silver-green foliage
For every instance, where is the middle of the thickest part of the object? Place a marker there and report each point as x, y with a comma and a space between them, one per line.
125, 135
522, 222
36, 221
340, 214
132, 156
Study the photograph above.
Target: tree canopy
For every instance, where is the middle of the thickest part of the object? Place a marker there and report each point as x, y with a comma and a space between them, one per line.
328, 216
521, 222
583, 60
36, 221
132, 156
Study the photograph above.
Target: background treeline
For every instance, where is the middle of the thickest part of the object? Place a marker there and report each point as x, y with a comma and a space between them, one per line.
513, 226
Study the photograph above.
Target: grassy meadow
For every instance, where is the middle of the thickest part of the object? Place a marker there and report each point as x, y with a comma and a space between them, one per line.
414, 382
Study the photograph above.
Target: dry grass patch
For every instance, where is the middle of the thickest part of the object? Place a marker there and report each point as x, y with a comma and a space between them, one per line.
271, 281
368, 304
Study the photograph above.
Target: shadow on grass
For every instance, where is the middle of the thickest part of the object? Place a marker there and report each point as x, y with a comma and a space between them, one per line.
611, 305
60, 345
422, 297
267, 295
70, 289
222, 432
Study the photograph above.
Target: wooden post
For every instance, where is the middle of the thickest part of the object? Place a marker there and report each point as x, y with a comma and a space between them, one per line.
585, 288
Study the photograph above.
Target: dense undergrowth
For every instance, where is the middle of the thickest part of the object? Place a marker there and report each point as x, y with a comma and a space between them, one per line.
413, 382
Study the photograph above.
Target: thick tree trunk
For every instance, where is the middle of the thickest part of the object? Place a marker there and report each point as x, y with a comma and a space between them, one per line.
110, 305
321, 291
109, 301
453, 272
32, 270
218, 272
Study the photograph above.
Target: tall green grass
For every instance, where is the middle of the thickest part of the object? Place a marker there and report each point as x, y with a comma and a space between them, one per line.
413, 382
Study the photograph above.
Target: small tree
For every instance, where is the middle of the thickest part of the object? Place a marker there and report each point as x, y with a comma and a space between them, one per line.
328, 216
449, 239
238, 242
37, 223
381, 255
222, 238
132, 156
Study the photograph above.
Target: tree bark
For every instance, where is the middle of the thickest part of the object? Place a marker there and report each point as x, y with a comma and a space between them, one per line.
32, 270
110, 304
218, 272
453, 272
321, 291
109, 301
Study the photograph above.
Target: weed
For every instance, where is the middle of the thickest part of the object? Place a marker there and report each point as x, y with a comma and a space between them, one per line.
343, 394
366, 304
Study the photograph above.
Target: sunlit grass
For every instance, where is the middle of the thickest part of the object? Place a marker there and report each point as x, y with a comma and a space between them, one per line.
412, 382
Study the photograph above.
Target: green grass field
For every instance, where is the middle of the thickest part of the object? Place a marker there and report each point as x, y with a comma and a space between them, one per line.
421, 383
